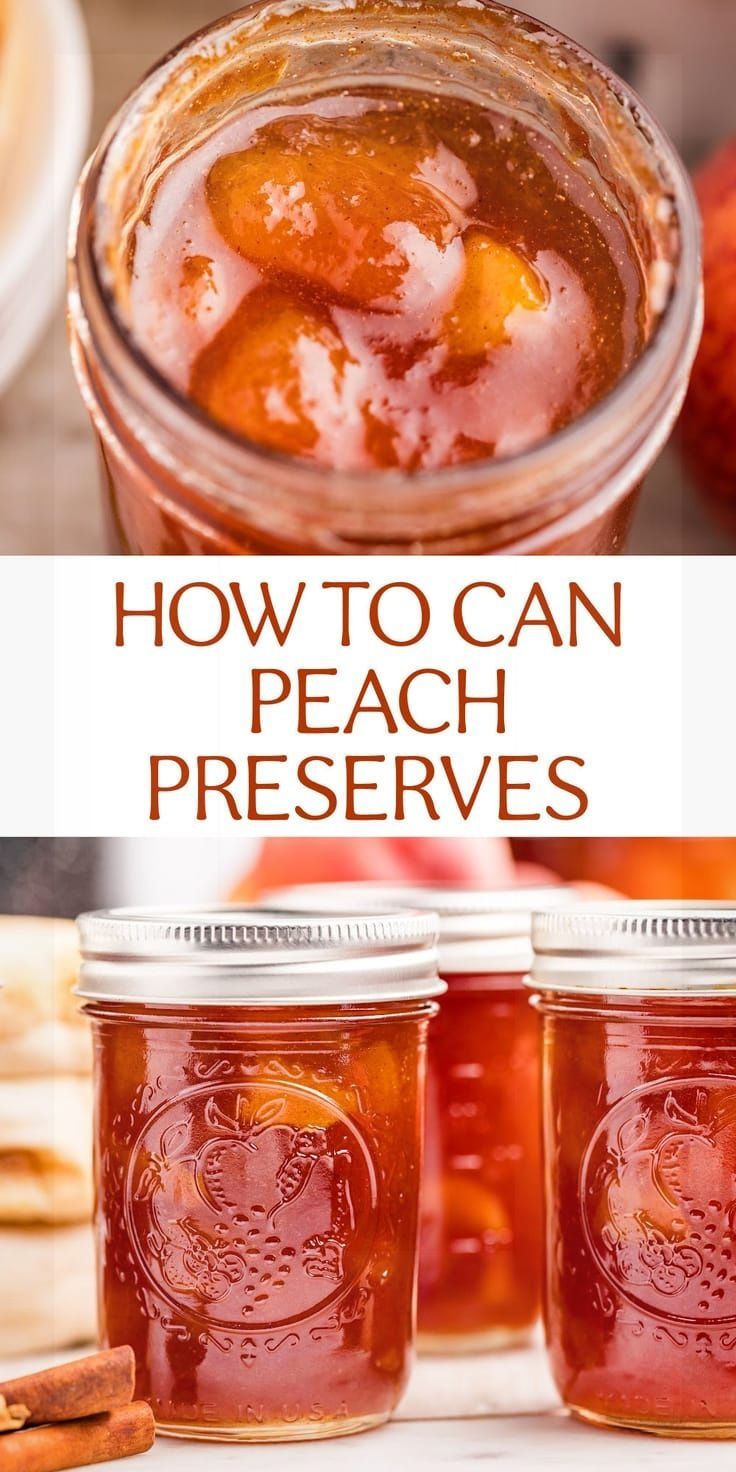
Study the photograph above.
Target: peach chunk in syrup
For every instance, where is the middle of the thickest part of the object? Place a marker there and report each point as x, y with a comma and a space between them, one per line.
272, 371
497, 282
393, 280
281, 373
322, 202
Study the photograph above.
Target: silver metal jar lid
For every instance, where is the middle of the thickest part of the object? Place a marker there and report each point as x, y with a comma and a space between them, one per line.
662, 948
238, 956
479, 929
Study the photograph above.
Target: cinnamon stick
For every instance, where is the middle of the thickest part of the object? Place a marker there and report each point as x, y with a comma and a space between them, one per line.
12, 1417
122, 1433
87, 1387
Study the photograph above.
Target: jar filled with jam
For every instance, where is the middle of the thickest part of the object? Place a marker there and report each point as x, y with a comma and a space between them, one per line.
374, 277
259, 1089
639, 1104
480, 1259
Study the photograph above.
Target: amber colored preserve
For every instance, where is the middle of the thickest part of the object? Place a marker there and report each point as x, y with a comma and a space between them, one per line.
372, 257
258, 1160
481, 1221
639, 1010
480, 1255
385, 279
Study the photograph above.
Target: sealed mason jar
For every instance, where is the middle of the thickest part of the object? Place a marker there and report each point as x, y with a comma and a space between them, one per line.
639, 1103
480, 1257
259, 1088
177, 480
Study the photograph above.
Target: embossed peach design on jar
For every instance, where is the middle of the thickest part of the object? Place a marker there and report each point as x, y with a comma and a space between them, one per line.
259, 1093
639, 1101
480, 1253
235, 1208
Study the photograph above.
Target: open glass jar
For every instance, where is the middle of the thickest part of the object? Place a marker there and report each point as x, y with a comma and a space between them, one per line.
639, 1103
176, 481
259, 1090
480, 1258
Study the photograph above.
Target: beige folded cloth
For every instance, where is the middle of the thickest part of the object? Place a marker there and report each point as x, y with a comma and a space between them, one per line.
47, 1282
45, 1149
53, 1047
41, 1026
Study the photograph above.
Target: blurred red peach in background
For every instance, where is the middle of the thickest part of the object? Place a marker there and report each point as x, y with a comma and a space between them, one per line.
470, 861
477, 863
708, 424
644, 868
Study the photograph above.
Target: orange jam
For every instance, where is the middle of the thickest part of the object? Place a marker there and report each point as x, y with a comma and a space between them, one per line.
386, 278
480, 1243
481, 1234
640, 1145
258, 1170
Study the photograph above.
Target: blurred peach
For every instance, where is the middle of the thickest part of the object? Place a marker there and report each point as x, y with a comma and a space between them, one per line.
708, 425
644, 868
284, 861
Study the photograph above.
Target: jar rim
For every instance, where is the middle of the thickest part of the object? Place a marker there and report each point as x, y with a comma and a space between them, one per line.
479, 928
662, 948
234, 955
577, 448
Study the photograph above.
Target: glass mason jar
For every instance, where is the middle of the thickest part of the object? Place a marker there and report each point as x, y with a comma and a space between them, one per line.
259, 1101
175, 482
480, 1254
639, 1103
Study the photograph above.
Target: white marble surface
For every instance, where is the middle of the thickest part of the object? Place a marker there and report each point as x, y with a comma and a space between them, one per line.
498, 1408
524, 1443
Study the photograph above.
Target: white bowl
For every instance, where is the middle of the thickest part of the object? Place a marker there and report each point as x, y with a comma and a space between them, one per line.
45, 94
